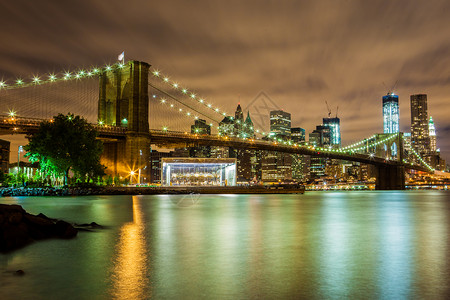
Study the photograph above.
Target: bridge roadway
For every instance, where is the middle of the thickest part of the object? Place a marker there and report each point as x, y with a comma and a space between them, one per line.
175, 139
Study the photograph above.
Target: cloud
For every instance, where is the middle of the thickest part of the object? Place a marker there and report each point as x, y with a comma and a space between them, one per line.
299, 52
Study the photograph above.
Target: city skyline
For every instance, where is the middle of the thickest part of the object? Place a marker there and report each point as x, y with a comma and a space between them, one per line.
300, 54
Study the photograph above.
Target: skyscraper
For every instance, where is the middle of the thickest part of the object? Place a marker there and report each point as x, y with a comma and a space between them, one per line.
321, 137
280, 123
200, 127
298, 135
432, 134
299, 162
391, 113
335, 129
420, 138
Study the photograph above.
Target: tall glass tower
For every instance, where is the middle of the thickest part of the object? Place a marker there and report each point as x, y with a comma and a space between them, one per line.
391, 113
335, 128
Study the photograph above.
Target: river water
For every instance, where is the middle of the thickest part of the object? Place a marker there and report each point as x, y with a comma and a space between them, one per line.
319, 245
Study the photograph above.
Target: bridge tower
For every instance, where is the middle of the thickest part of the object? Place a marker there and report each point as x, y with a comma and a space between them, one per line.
123, 101
391, 177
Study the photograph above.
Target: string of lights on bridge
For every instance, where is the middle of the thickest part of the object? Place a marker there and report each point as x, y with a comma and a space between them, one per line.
65, 76
418, 156
185, 91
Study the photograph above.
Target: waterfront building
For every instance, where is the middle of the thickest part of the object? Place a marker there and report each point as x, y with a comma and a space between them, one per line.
198, 171
155, 165
420, 138
4, 155
391, 113
335, 130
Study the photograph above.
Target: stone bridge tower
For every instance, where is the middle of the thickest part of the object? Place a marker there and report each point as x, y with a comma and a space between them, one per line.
123, 101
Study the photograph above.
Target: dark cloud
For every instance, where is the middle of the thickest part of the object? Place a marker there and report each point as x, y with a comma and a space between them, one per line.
301, 53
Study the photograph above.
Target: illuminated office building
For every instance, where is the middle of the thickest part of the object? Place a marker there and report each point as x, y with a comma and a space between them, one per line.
391, 113
432, 134
335, 130
280, 123
420, 138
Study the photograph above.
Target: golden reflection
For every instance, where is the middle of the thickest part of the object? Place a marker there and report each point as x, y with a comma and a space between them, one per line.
130, 278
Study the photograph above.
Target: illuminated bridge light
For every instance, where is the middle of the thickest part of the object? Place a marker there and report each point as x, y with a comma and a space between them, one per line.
201, 100
184, 91
156, 73
193, 96
52, 77
19, 81
166, 79
175, 85
2, 84
171, 105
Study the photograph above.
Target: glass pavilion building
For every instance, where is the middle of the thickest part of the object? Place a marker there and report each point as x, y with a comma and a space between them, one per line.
391, 113
185, 171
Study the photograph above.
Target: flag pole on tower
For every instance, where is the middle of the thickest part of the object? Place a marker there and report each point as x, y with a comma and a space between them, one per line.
122, 57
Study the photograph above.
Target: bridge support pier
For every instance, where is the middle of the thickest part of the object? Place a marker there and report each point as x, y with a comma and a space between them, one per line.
123, 101
390, 177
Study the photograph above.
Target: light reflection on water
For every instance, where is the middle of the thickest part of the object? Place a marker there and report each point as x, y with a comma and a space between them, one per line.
321, 245
130, 263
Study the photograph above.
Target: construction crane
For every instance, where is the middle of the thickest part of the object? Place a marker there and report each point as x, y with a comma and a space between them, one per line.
328, 108
391, 90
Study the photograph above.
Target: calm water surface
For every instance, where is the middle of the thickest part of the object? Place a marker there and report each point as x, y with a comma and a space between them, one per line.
320, 245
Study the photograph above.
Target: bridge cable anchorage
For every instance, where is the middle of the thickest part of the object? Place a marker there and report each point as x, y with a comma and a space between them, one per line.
165, 79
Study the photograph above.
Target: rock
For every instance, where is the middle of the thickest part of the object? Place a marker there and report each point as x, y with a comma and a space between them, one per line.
65, 230
19, 228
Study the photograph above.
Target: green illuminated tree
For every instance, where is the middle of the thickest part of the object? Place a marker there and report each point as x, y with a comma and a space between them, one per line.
66, 143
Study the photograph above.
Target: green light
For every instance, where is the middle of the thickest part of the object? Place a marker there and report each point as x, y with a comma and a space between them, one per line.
184, 91
100, 122
175, 85
95, 70
166, 79
19, 81
201, 100
120, 65
67, 75
52, 77
2, 84
156, 73
108, 68
193, 96
124, 121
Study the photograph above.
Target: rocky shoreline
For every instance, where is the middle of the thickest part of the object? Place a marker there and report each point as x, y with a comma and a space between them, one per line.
19, 228
147, 190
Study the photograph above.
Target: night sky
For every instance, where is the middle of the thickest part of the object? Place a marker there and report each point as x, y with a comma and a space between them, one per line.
299, 53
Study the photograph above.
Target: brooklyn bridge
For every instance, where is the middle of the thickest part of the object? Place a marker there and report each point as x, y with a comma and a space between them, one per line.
134, 106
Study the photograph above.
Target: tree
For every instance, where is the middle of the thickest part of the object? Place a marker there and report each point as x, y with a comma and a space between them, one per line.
66, 143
